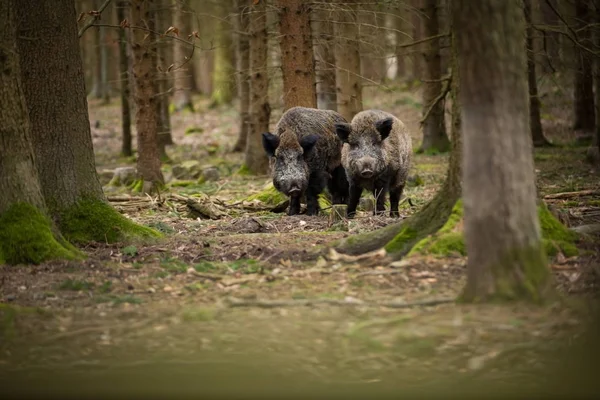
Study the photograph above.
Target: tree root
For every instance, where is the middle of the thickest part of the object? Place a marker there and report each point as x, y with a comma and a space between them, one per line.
234, 302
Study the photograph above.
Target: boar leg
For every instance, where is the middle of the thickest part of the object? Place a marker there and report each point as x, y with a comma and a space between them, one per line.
338, 186
294, 205
316, 184
395, 195
380, 192
353, 199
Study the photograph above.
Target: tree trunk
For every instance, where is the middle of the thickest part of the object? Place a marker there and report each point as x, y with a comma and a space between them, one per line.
434, 126
126, 149
243, 67
535, 122
163, 21
104, 66
584, 96
324, 49
222, 93
593, 152
347, 76
260, 111
144, 74
26, 233
502, 232
182, 79
297, 57
417, 34
551, 40
52, 77
400, 36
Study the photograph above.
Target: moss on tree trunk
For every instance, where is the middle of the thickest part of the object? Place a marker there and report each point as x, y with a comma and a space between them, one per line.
27, 236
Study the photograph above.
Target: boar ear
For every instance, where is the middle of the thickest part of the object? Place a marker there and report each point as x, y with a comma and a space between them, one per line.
270, 143
308, 142
384, 127
343, 131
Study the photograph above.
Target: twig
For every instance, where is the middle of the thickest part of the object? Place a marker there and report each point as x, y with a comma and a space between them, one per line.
233, 302
206, 275
427, 39
568, 195
379, 273
96, 15
440, 97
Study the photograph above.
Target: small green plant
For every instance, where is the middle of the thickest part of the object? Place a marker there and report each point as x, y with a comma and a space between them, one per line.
161, 227
130, 251
76, 285
173, 265
205, 266
246, 265
106, 287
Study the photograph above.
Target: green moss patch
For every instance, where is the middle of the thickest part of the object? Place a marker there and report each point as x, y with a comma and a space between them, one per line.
447, 240
94, 220
555, 235
406, 235
269, 195
26, 237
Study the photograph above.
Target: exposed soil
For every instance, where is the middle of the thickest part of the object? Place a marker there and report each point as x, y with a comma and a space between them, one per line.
257, 291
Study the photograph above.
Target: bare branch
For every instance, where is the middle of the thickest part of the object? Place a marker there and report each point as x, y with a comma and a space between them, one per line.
96, 15
448, 85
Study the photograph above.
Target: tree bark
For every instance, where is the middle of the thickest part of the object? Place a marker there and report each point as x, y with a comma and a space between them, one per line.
243, 68
256, 160
297, 57
347, 75
126, 149
53, 83
434, 126
182, 79
104, 66
222, 93
593, 152
18, 175
502, 232
584, 96
144, 74
324, 49
535, 122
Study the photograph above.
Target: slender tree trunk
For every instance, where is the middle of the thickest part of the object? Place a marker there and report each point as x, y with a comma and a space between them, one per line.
584, 95
163, 21
297, 57
104, 65
551, 40
144, 74
324, 49
593, 152
182, 79
223, 75
243, 68
434, 126
126, 149
52, 76
503, 239
535, 122
348, 76
401, 35
417, 34
260, 111
97, 88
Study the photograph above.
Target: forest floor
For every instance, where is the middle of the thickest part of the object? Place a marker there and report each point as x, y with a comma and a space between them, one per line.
254, 302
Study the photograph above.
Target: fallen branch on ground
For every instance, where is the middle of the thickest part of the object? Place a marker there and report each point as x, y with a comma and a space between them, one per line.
233, 302
569, 195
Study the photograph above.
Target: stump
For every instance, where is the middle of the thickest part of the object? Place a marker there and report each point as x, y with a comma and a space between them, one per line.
366, 204
338, 213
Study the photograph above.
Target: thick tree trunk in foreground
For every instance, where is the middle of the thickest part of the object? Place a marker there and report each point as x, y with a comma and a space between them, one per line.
243, 69
434, 127
126, 149
26, 233
535, 123
502, 231
144, 74
260, 111
182, 79
297, 57
584, 96
52, 76
347, 76
324, 49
